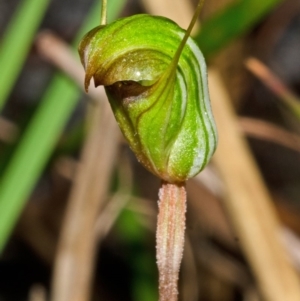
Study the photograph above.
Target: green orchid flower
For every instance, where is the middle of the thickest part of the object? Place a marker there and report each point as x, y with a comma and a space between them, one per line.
156, 81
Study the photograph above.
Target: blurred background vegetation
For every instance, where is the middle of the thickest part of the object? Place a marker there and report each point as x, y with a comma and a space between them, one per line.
78, 213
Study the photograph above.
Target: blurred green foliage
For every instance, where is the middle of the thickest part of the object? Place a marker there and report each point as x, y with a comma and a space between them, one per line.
17, 41
144, 271
231, 22
41, 135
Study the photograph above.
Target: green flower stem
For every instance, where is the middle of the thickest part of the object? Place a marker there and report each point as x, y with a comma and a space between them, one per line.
103, 19
170, 238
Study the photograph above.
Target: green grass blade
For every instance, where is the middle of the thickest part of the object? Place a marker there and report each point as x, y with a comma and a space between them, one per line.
40, 137
231, 22
17, 41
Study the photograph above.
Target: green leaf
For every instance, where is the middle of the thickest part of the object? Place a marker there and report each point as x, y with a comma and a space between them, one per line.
17, 41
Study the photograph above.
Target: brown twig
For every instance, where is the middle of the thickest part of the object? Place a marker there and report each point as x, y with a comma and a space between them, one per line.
75, 255
248, 204
76, 250
118, 201
170, 238
53, 49
274, 83
268, 78
269, 132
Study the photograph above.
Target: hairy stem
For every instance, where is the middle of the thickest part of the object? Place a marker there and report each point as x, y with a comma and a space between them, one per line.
170, 238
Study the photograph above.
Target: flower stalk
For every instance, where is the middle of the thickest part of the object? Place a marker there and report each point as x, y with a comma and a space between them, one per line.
170, 238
